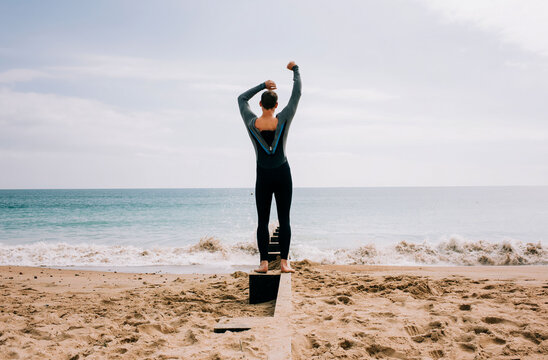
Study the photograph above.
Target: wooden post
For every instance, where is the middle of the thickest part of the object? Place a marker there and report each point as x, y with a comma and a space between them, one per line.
266, 287
263, 287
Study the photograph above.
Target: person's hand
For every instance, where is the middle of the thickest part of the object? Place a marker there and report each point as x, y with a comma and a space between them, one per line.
290, 65
270, 85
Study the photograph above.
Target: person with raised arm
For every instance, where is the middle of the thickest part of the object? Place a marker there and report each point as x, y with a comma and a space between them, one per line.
268, 134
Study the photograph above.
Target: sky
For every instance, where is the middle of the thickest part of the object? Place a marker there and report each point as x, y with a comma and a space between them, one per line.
115, 94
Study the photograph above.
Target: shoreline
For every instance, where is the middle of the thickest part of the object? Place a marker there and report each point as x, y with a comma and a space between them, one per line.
223, 269
159, 269
495, 270
339, 311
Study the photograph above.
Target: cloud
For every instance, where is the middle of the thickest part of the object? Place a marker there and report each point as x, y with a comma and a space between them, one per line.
114, 67
21, 75
360, 138
518, 22
53, 123
410, 88
50, 140
124, 67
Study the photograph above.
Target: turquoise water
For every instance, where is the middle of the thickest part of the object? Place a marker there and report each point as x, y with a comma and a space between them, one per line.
423, 225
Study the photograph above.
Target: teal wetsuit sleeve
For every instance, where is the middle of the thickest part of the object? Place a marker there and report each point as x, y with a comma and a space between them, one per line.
289, 111
243, 99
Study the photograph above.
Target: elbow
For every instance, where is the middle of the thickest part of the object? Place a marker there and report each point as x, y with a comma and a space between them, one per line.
241, 99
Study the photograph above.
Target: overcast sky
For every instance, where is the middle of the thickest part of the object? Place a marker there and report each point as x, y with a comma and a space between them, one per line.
108, 94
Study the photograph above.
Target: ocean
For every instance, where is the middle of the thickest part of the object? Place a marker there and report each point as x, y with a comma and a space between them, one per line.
213, 230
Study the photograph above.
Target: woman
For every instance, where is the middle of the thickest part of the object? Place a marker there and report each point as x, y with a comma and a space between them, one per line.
269, 134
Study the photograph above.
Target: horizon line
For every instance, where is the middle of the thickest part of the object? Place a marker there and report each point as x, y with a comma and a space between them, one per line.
295, 187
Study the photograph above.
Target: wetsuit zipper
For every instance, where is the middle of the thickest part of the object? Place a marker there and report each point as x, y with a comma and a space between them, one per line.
260, 139
268, 148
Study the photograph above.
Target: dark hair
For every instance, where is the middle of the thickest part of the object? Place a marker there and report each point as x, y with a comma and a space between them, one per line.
269, 99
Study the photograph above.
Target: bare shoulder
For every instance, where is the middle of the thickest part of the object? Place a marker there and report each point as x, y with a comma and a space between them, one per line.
266, 123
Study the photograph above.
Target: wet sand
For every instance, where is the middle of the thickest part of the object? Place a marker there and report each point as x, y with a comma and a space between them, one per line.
347, 312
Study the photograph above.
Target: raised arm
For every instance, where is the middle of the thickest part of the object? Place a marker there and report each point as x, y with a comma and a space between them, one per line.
289, 111
243, 99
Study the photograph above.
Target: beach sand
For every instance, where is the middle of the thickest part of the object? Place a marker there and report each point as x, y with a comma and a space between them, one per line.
339, 312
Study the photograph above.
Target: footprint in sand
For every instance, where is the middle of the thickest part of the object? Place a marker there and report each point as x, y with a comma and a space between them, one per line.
347, 344
12, 355
487, 340
345, 300
535, 337
376, 350
436, 354
468, 347
527, 305
498, 341
481, 330
412, 330
497, 320
130, 339
415, 333
191, 338
493, 320
151, 329
313, 341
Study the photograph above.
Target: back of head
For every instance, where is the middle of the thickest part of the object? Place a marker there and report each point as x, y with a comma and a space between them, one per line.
269, 99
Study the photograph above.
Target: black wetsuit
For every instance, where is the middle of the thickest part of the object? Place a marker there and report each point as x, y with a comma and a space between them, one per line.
273, 172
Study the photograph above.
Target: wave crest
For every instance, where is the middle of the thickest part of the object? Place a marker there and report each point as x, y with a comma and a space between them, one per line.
455, 251
210, 250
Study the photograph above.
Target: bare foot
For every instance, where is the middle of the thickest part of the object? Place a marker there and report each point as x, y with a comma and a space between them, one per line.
286, 268
263, 268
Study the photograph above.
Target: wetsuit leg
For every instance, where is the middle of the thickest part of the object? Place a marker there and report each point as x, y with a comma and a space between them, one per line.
263, 199
283, 192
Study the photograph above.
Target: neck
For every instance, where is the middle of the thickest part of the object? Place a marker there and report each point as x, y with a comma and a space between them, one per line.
269, 112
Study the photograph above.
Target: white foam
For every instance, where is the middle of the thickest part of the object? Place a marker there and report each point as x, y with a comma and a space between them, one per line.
453, 251
63, 254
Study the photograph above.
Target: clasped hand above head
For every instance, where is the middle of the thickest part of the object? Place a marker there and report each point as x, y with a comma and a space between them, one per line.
270, 85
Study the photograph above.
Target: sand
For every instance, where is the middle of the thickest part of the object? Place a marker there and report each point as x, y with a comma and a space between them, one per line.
339, 312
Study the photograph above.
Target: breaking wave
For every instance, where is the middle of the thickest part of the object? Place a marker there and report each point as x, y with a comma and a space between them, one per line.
212, 251
454, 251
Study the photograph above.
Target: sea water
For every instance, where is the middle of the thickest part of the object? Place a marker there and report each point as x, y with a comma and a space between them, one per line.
214, 229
